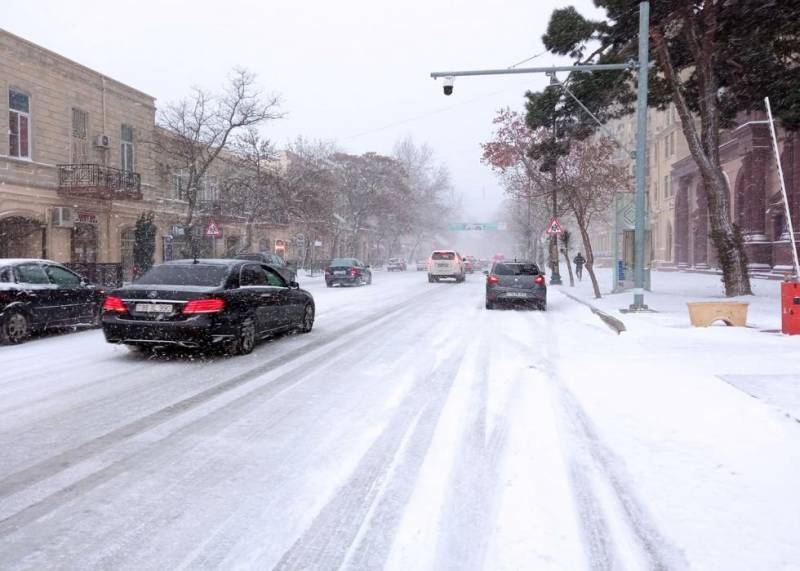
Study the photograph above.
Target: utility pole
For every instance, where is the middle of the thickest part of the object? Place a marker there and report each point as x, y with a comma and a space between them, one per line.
641, 159
643, 65
555, 277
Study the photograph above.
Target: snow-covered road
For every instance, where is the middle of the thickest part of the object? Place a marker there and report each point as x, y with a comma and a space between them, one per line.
411, 430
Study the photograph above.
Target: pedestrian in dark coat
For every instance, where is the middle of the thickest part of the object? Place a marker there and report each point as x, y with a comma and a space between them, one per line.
579, 261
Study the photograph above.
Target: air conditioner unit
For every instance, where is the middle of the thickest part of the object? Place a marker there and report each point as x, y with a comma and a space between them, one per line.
102, 141
63, 217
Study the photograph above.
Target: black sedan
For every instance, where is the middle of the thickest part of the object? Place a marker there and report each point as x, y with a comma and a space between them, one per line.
347, 271
226, 304
41, 294
515, 282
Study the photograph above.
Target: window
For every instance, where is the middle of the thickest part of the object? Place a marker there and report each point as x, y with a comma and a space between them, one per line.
511, 269
443, 256
80, 129
126, 148
5, 275
274, 279
209, 189
672, 143
186, 274
31, 274
666, 148
62, 276
179, 185
252, 275
19, 125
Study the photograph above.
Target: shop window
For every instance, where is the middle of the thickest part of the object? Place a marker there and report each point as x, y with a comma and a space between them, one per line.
19, 124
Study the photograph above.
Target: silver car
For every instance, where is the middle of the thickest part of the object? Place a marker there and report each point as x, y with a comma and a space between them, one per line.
515, 282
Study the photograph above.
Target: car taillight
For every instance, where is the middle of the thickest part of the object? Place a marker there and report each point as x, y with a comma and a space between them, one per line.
492, 280
112, 303
211, 305
353, 272
538, 280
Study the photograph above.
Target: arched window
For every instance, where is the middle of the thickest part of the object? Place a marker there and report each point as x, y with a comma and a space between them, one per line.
84, 243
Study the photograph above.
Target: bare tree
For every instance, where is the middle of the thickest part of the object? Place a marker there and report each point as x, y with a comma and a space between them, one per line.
566, 245
587, 180
251, 181
430, 202
193, 132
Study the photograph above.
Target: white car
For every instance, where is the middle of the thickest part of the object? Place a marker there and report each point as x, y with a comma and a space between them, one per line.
446, 264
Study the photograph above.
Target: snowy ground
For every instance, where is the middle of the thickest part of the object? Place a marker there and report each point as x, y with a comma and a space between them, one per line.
411, 430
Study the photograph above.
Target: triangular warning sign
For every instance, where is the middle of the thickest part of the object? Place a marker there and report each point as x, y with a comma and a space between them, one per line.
554, 228
213, 230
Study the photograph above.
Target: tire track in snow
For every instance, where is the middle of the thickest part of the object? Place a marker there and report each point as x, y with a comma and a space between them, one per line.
226, 414
587, 455
471, 503
333, 532
53, 465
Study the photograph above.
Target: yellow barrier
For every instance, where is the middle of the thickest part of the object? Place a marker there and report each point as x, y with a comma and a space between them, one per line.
704, 313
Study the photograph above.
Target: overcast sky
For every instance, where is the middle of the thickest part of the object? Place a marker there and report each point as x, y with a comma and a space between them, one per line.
355, 71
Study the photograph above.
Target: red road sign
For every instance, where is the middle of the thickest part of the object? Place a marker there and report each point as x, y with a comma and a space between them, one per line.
555, 228
213, 230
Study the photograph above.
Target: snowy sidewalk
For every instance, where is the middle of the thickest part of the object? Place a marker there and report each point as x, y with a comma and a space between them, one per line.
757, 359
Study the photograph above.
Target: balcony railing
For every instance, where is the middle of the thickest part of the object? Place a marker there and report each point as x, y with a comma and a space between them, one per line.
98, 181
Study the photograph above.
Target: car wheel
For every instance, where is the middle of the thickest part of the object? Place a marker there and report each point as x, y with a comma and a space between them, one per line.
15, 328
308, 319
489, 304
430, 279
245, 340
329, 284
543, 305
139, 349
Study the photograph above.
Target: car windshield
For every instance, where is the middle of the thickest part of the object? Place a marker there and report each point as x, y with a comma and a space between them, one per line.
444, 256
186, 274
339, 262
516, 269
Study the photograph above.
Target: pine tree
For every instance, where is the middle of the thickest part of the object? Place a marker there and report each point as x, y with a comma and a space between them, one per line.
144, 244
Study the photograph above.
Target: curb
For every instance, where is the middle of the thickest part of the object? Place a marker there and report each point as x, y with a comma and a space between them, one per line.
614, 323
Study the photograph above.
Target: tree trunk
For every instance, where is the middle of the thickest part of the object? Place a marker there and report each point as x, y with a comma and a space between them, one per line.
569, 267
727, 238
589, 265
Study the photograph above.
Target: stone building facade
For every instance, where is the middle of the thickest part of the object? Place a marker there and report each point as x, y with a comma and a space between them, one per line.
76, 169
757, 207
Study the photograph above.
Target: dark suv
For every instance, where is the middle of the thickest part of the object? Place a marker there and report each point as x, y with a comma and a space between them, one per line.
274, 261
41, 294
515, 282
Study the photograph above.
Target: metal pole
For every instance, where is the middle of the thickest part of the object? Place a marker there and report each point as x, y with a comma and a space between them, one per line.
555, 278
789, 224
641, 157
554, 68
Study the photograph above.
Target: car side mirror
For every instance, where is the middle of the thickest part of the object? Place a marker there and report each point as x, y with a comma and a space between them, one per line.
294, 285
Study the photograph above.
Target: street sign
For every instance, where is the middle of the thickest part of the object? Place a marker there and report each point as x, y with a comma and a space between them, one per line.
555, 228
213, 230
473, 226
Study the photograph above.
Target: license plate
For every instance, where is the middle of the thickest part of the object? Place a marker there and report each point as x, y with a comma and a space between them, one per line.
339, 273
442, 265
154, 307
516, 294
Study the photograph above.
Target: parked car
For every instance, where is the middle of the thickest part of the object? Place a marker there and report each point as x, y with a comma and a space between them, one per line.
274, 261
225, 304
422, 265
347, 271
396, 265
517, 282
41, 294
446, 264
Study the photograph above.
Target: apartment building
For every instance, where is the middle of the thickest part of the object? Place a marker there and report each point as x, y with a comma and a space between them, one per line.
77, 169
